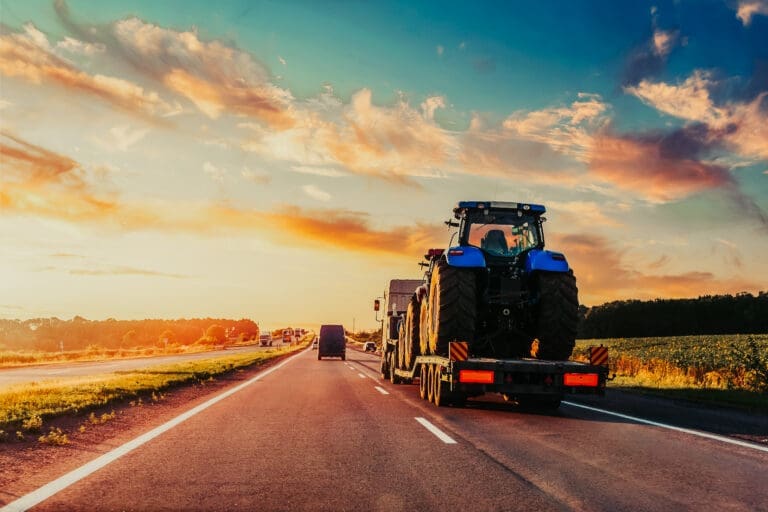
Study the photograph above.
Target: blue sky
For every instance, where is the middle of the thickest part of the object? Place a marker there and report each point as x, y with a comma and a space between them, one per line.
252, 137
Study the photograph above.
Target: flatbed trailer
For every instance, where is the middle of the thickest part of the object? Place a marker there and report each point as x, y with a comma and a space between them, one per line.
532, 382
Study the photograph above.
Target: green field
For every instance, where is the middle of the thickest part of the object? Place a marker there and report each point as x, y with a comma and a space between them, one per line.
731, 369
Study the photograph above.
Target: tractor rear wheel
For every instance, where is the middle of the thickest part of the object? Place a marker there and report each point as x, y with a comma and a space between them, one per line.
452, 311
558, 315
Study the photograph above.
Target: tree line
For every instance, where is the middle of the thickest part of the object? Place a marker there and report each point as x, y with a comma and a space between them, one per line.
53, 334
743, 313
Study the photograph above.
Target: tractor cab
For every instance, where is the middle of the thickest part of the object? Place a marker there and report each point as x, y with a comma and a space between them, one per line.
500, 229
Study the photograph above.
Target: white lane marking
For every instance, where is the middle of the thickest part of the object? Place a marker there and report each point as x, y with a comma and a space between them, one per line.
672, 427
439, 433
361, 376
43, 493
381, 390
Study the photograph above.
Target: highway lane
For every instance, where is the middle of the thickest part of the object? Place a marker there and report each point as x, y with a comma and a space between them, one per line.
19, 375
319, 435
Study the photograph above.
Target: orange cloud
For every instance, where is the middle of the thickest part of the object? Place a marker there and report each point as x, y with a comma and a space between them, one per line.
646, 165
602, 276
27, 56
43, 183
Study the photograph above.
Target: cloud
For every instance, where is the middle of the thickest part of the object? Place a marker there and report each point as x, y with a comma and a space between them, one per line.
742, 126
318, 171
649, 58
602, 274
316, 193
749, 8
583, 213
78, 47
658, 166
282, 61
215, 77
393, 143
122, 137
565, 129
124, 271
253, 177
44, 184
216, 174
440, 50
28, 56
430, 105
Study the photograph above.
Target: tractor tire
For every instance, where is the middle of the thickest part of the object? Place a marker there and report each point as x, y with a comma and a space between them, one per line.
452, 311
558, 315
411, 333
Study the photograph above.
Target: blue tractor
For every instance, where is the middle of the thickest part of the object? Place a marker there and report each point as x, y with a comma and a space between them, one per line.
495, 287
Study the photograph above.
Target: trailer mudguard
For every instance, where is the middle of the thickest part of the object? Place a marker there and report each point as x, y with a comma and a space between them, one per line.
465, 256
545, 260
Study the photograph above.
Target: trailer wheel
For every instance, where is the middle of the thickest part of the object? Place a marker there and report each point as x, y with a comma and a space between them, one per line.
411, 341
441, 393
423, 330
452, 311
431, 383
423, 382
393, 378
558, 315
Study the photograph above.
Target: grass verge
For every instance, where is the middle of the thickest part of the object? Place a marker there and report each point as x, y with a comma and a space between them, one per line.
24, 406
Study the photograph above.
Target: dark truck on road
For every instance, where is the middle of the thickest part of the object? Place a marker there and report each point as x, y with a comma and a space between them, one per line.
332, 342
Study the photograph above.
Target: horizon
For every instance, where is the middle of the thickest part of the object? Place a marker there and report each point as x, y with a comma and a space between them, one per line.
283, 162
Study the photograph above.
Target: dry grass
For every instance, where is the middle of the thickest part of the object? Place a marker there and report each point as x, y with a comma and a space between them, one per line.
31, 403
13, 358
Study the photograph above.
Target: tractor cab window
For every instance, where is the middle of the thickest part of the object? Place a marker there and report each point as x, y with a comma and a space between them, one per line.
505, 236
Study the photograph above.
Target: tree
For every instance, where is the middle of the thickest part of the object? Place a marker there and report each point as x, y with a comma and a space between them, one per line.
215, 333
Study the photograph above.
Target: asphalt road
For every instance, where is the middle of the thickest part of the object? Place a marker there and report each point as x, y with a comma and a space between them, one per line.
36, 373
330, 435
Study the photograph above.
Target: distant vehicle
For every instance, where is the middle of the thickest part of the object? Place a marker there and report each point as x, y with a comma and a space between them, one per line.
314, 345
332, 342
369, 346
288, 335
265, 340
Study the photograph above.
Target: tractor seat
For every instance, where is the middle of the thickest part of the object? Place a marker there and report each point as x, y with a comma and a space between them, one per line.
494, 242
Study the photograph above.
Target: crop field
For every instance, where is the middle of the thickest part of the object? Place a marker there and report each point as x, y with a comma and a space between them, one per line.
735, 363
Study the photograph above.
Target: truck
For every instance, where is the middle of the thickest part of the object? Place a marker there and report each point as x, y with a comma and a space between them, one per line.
397, 299
496, 312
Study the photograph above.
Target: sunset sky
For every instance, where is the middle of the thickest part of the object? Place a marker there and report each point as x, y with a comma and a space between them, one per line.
282, 160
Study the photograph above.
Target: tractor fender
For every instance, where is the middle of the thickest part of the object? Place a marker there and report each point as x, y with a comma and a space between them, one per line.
545, 260
466, 257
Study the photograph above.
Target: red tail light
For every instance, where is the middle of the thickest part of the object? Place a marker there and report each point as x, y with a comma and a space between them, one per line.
476, 376
456, 252
580, 379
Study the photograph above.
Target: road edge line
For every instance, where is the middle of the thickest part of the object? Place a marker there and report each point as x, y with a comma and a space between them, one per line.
48, 490
698, 433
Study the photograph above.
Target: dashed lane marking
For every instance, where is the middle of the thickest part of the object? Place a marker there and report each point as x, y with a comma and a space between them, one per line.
698, 433
381, 390
438, 433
